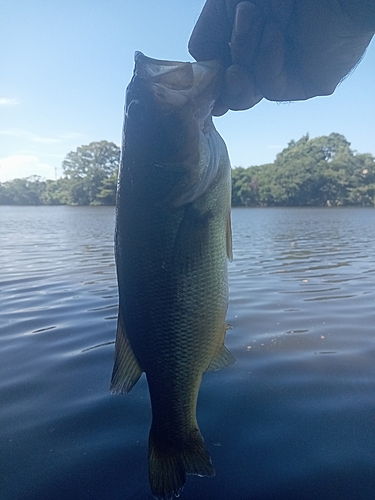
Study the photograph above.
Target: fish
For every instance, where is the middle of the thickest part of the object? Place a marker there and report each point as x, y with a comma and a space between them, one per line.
172, 242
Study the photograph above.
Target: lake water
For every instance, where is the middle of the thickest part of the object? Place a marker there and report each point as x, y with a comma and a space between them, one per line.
294, 418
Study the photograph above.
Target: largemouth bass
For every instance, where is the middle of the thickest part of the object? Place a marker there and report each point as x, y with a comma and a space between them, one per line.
172, 242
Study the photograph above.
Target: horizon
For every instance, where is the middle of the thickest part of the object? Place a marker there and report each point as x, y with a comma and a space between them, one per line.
44, 179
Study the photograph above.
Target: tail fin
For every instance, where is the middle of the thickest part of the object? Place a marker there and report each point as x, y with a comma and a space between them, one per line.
168, 465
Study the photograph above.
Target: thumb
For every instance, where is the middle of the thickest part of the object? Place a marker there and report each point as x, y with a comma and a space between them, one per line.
212, 33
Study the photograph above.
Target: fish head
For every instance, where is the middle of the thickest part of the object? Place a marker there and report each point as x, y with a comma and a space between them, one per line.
168, 107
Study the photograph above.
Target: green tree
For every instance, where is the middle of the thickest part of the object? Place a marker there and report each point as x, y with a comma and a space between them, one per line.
56, 192
246, 185
107, 194
28, 191
309, 172
306, 170
87, 168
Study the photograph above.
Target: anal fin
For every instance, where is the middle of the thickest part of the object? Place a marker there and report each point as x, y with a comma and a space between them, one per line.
126, 369
222, 359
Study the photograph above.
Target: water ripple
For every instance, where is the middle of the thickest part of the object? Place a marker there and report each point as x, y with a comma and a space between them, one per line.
293, 418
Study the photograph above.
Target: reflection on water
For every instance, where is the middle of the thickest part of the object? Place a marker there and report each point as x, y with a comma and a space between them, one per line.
292, 419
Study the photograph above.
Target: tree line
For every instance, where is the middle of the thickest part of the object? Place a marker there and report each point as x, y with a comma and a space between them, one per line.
89, 178
323, 171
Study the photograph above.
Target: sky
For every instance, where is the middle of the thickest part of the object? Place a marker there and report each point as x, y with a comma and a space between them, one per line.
64, 67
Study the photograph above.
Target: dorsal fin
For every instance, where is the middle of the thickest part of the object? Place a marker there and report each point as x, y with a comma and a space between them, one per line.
229, 239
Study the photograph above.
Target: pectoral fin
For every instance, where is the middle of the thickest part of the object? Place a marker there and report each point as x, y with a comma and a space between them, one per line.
126, 369
222, 359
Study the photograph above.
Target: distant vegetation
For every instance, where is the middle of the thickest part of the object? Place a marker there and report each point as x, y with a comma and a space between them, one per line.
309, 172
89, 178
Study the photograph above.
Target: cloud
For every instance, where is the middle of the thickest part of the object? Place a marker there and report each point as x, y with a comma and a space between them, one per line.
9, 101
44, 140
73, 135
30, 136
20, 166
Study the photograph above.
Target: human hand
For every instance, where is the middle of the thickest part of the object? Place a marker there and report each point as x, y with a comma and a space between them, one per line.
280, 49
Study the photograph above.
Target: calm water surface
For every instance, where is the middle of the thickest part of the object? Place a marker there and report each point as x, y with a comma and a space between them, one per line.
294, 418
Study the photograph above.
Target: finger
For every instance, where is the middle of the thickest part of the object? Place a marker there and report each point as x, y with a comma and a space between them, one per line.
211, 34
246, 33
240, 91
219, 109
269, 67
